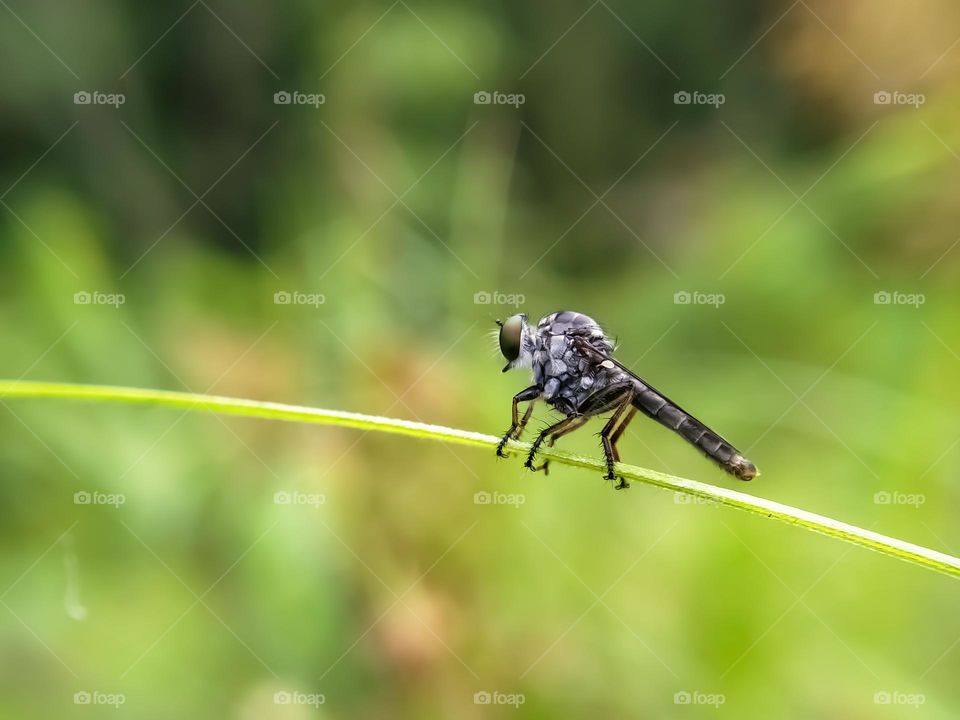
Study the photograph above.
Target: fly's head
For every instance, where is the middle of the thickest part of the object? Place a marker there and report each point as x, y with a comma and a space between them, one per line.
516, 341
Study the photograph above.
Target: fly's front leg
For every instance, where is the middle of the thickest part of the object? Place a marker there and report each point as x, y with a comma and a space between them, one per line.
517, 424
523, 421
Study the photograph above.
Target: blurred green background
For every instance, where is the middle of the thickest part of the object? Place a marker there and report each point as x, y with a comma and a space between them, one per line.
145, 244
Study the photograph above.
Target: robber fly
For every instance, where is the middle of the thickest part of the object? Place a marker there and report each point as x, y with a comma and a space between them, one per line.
575, 373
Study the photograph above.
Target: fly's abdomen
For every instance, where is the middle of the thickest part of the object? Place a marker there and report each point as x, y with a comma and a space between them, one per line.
660, 408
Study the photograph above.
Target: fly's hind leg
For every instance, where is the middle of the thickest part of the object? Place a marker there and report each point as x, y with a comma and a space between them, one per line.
610, 442
517, 424
620, 428
617, 397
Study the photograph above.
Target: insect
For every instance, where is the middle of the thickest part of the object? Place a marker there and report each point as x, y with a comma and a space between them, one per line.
575, 373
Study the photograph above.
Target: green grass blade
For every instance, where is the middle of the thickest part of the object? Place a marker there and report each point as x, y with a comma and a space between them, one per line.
893, 547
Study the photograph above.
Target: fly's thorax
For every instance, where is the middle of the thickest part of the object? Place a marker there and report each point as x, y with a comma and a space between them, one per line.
539, 360
570, 377
563, 372
568, 321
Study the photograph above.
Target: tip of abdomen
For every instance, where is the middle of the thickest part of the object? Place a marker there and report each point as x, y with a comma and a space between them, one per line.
742, 468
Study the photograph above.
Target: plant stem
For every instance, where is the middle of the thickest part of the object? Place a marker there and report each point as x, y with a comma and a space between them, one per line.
893, 547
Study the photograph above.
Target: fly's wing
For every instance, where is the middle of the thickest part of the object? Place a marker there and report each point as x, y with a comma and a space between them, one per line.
659, 407
597, 357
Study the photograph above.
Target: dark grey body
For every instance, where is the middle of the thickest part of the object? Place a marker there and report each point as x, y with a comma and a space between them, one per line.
566, 377
574, 372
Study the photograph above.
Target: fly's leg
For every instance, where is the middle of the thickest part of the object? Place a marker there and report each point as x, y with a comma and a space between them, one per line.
517, 424
516, 430
559, 429
617, 397
620, 428
523, 421
552, 439
611, 433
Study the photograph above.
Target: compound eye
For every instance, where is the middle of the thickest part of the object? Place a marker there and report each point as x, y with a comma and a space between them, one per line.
510, 337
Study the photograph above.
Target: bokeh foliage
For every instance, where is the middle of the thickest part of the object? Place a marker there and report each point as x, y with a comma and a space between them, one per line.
399, 199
